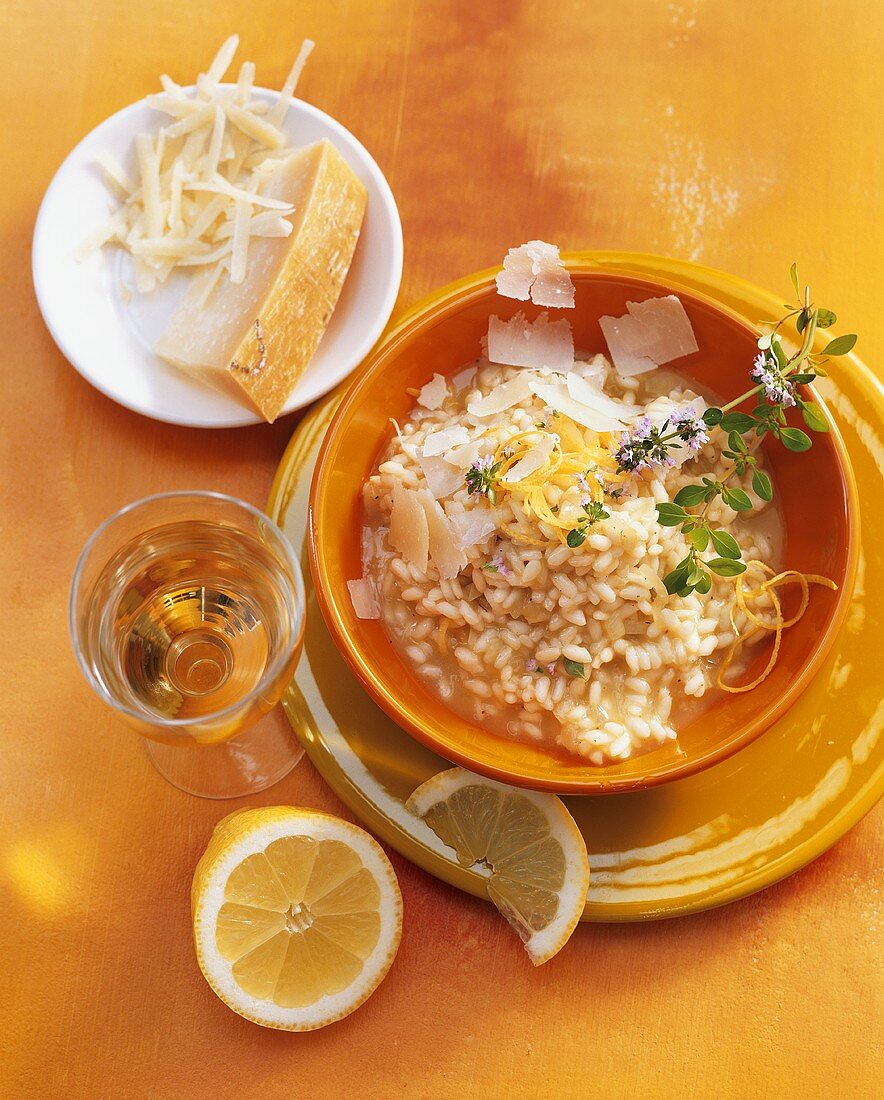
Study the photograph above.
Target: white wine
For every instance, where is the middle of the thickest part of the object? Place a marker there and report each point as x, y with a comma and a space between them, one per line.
188, 618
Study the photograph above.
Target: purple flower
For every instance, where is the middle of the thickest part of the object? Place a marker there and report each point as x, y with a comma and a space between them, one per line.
481, 478
690, 427
777, 388
497, 565
643, 448
530, 665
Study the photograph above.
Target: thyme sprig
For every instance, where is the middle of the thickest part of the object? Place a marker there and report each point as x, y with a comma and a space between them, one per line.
481, 478
594, 512
778, 378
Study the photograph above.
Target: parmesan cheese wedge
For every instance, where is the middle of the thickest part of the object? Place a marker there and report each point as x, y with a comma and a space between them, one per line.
258, 336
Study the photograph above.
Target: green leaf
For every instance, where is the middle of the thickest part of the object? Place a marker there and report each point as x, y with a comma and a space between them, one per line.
576, 538
670, 515
801, 379
690, 495
726, 567
674, 581
780, 356
803, 320
793, 275
813, 417
737, 422
794, 439
841, 345
736, 499
726, 545
695, 575
699, 538
762, 485
736, 442
712, 416
704, 584
825, 318
574, 668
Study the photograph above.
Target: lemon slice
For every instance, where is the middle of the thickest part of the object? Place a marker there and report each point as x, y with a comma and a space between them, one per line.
527, 845
297, 916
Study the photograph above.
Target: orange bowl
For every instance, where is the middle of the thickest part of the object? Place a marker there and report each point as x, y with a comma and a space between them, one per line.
815, 490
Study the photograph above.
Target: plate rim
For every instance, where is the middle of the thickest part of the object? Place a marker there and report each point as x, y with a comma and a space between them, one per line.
247, 417
772, 870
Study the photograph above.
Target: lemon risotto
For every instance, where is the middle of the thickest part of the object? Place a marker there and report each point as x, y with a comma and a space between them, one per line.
520, 574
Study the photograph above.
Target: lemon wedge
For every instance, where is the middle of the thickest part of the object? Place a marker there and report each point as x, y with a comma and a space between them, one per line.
297, 916
526, 844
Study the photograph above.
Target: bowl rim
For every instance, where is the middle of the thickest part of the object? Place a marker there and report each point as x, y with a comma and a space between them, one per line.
422, 314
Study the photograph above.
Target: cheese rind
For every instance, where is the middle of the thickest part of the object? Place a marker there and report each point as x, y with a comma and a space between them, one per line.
260, 335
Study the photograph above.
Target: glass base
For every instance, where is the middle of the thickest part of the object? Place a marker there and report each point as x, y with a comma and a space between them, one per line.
250, 762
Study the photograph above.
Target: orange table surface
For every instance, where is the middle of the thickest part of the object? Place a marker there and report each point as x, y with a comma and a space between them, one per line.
740, 133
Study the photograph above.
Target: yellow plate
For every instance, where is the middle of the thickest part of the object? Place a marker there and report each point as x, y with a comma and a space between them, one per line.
689, 845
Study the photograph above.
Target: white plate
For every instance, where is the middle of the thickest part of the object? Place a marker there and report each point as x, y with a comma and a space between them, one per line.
110, 341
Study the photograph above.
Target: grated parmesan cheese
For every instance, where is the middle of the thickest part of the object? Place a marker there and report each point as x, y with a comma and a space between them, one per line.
200, 177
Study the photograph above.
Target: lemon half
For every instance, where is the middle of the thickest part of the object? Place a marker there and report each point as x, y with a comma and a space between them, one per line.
297, 916
527, 845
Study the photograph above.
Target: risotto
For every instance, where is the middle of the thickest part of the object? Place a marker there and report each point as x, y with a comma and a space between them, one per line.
534, 604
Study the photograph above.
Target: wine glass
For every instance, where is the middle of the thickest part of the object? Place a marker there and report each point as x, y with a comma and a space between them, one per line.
187, 617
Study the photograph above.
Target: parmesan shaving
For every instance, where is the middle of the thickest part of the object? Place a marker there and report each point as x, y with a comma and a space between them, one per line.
593, 398
502, 398
557, 397
539, 343
442, 477
473, 526
244, 82
240, 248
409, 533
223, 58
446, 555
433, 393
364, 599
536, 270
280, 108
464, 457
652, 333
437, 443
533, 459
200, 177
463, 378
114, 172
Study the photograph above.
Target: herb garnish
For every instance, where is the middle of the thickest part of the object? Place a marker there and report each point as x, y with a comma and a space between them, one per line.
574, 668
481, 478
594, 512
777, 379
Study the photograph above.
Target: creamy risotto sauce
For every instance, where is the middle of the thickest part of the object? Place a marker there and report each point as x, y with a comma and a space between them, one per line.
578, 647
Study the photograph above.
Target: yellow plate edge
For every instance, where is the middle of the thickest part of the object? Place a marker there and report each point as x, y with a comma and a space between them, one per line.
732, 291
